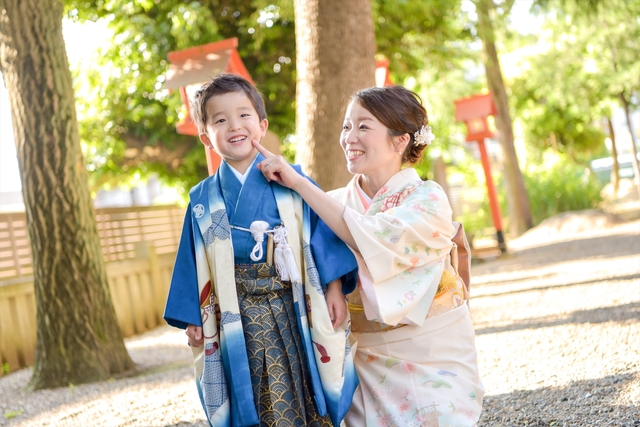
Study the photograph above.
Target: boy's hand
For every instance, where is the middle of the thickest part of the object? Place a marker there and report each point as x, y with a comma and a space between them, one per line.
196, 338
336, 303
275, 168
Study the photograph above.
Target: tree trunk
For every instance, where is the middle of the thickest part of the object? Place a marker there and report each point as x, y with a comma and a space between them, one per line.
335, 56
634, 151
78, 338
615, 168
517, 199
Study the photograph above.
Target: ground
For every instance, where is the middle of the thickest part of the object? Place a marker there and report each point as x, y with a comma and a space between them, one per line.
557, 330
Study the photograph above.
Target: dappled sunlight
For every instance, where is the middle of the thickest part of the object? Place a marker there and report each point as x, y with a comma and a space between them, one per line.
161, 387
557, 327
549, 347
161, 346
165, 335
169, 393
598, 399
171, 400
572, 226
520, 277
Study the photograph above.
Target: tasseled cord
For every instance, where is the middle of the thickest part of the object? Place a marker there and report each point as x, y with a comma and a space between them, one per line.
284, 260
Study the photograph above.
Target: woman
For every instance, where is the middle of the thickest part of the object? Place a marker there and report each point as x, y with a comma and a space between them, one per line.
416, 356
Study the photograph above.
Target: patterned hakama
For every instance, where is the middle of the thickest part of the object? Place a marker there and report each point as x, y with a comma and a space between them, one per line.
279, 374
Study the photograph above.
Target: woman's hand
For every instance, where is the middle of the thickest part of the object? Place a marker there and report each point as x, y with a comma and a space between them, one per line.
196, 338
275, 168
336, 303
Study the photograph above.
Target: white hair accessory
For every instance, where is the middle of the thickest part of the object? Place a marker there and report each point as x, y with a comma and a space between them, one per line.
424, 136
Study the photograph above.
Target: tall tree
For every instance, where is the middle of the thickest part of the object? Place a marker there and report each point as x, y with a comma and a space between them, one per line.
78, 338
335, 56
517, 200
615, 167
611, 32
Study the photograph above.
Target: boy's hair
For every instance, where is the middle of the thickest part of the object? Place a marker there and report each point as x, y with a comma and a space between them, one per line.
220, 85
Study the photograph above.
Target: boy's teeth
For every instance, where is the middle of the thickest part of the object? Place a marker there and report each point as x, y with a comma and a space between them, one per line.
240, 138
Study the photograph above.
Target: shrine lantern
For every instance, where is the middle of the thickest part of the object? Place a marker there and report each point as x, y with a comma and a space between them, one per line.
475, 112
191, 68
383, 77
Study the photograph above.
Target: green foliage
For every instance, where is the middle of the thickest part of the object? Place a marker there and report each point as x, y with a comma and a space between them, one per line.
5, 368
415, 35
124, 109
12, 414
606, 36
555, 184
561, 103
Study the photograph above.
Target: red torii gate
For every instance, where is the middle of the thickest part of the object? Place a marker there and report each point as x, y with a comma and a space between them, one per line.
474, 112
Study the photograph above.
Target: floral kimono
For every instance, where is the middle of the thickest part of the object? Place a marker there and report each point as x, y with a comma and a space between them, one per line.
416, 357
275, 359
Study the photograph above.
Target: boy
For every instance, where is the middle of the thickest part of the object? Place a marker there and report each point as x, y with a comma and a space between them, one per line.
281, 354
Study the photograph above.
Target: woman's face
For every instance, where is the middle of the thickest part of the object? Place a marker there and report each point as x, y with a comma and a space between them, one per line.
366, 143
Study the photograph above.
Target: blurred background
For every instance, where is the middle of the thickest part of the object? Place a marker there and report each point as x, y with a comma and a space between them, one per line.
570, 72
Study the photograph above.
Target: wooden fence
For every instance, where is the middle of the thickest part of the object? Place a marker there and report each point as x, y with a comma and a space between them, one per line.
120, 229
138, 287
139, 246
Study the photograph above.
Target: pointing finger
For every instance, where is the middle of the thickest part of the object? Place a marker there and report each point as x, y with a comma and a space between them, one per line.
266, 153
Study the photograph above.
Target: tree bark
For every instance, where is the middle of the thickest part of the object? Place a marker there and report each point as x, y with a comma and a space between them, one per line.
335, 56
634, 151
78, 338
615, 168
517, 199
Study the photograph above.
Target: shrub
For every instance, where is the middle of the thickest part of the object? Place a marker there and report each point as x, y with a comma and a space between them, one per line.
557, 184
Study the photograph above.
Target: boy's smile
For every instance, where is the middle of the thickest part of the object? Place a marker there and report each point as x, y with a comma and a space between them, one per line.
231, 123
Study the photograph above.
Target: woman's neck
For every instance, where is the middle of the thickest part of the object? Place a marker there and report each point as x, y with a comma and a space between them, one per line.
370, 184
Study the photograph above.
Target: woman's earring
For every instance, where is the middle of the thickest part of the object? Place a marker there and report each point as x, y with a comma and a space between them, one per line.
399, 153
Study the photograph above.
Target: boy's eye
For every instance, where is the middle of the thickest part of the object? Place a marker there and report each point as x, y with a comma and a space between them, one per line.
219, 121
244, 115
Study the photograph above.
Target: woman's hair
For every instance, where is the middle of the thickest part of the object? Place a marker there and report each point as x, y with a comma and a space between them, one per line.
400, 110
221, 85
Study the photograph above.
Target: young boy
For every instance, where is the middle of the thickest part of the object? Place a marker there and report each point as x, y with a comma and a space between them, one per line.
281, 355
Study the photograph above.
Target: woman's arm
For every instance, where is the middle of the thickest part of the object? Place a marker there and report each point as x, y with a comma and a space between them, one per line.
275, 168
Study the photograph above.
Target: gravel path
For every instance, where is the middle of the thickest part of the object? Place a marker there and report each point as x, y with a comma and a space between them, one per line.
558, 335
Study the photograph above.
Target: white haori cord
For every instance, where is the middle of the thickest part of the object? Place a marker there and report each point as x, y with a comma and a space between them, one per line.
284, 260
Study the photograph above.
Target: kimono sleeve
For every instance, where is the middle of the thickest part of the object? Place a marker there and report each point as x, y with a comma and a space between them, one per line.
333, 258
416, 233
183, 307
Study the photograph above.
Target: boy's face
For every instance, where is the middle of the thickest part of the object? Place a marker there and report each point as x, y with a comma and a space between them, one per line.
232, 122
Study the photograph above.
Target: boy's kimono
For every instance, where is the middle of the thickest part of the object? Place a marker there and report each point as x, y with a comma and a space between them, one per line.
416, 357
213, 265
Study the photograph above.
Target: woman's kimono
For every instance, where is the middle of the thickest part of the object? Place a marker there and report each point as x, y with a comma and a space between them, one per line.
254, 365
416, 357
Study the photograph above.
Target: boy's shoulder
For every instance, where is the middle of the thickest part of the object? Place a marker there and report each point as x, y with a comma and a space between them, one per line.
197, 189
